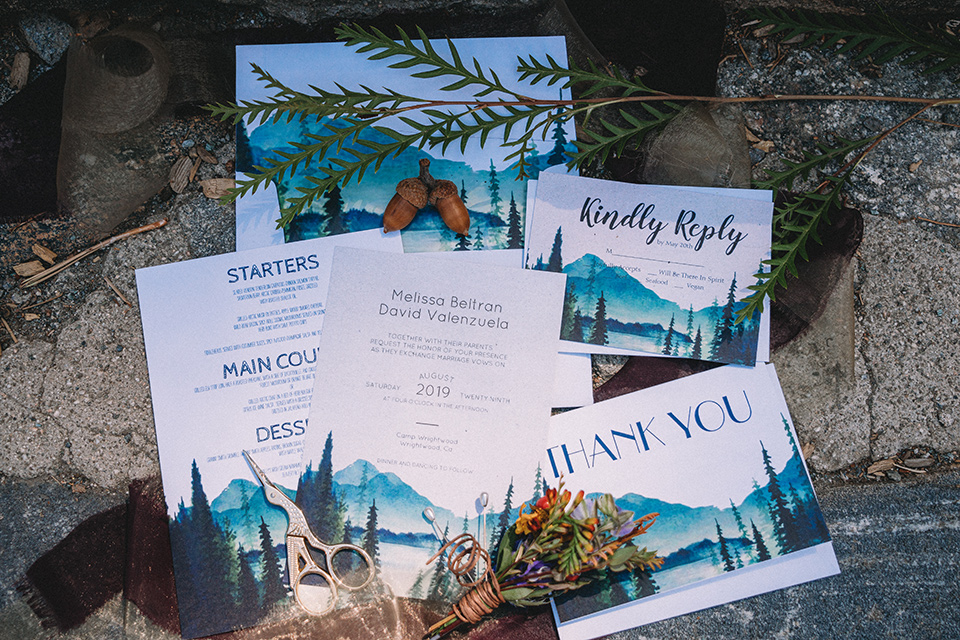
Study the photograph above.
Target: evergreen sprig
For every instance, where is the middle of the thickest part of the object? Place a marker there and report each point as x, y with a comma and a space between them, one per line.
876, 35
797, 218
355, 116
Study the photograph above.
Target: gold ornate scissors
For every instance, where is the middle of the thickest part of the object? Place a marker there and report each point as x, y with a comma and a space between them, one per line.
338, 558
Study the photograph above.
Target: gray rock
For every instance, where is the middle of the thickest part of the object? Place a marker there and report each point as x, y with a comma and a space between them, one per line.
47, 36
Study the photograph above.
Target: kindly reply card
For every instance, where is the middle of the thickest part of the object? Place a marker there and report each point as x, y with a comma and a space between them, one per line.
436, 387
651, 269
716, 456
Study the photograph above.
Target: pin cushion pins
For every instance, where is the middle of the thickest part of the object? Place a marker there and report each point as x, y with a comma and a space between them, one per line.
413, 194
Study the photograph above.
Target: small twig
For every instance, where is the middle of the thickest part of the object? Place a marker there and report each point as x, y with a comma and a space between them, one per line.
745, 56
60, 266
117, 291
945, 224
29, 220
9, 330
940, 122
908, 468
37, 304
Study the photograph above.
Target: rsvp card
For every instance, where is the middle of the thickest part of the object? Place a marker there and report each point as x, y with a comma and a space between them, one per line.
436, 386
652, 269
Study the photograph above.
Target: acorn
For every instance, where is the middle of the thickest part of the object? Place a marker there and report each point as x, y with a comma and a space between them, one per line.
443, 194
411, 196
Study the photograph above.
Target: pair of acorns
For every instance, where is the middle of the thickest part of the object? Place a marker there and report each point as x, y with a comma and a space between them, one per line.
414, 194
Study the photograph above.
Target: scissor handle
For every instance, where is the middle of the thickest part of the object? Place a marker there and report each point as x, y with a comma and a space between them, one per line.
332, 550
301, 564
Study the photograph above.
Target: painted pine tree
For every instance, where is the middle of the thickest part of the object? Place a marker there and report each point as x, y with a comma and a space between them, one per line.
271, 574
724, 350
643, 583
463, 243
333, 208
371, 539
668, 341
558, 154
576, 333
724, 550
478, 238
416, 590
537, 485
212, 550
248, 594
493, 186
599, 333
514, 226
696, 353
555, 262
783, 527
505, 515
568, 315
758, 544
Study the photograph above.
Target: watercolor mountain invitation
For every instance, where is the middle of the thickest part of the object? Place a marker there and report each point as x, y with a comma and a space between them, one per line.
716, 456
231, 344
488, 186
651, 269
436, 389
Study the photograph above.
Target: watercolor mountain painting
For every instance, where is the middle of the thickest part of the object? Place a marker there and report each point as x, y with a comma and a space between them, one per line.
495, 198
606, 305
779, 517
230, 557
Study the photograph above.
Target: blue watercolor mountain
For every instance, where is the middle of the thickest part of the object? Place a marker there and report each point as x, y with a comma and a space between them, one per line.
627, 299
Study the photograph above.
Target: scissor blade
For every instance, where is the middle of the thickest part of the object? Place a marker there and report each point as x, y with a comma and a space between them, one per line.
261, 476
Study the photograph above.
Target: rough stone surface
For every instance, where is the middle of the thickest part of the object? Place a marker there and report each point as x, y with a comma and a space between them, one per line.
46, 36
901, 390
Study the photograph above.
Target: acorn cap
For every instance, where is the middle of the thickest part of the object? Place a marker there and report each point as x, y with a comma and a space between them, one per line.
413, 191
442, 189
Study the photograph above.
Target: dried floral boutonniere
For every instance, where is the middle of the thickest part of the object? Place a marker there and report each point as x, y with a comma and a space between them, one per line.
559, 545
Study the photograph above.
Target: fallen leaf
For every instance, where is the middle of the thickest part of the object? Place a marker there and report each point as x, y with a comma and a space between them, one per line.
766, 146
30, 316
915, 165
180, 174
880, 466
807, 450
27, 269
78, 488
216, 188
20, 71
750, 136
44, 254
762, 31
797, 39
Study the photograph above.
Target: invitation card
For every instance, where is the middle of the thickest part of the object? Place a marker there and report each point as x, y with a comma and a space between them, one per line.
436, 388
488, 184
716, 456
651, 269
232, 347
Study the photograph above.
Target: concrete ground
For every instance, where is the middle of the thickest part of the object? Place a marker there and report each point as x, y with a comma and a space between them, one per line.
875, 383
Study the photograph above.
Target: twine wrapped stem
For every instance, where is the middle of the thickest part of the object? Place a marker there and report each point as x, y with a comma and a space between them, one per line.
483, 595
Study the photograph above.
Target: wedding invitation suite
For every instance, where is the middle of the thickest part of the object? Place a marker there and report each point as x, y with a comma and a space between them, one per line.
652, 269
436, 388
716, 456
232, 347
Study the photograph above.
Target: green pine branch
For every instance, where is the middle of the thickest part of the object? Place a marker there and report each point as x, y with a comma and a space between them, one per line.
877, 35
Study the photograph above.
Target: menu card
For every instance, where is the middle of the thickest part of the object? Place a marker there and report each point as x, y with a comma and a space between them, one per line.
232, 347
